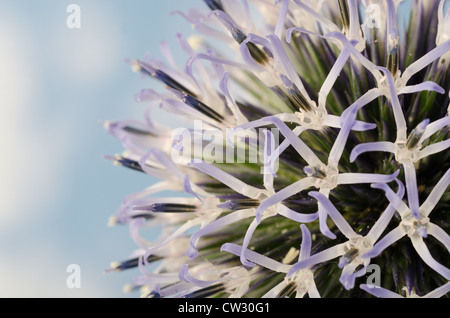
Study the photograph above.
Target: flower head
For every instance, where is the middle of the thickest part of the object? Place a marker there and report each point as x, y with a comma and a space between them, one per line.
315, 122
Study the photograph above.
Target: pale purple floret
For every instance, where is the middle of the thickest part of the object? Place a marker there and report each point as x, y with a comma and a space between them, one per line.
416, 229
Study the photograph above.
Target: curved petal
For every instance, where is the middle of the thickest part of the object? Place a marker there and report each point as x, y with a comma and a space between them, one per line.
326, 255
287, 66
379, 291
436, 194
425, 60
332, 77
434, 148
191, 252
355, 178
297, 216
335, 215
411, 189
438, 292
248, 236
384, 146
390, 238
284, 194
228, 180
395, 103
439, 234
425, 255
305, 249
256, 258
425, 86
335, 122
434, 127
382, 223
396, 201
184, 275
303, 150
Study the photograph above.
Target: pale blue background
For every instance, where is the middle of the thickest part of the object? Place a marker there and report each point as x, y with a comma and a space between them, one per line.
56, 86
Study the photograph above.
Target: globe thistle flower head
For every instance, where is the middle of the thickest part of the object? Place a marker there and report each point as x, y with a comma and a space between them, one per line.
316, 148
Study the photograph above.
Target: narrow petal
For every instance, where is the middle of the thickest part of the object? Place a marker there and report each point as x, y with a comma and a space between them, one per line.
326, 255
256, 258
379, 291
269, 148
285, 144
274, 292
332, 77
434, 148
425, 86
396, 201
335, 122
425, 60
287, 66
191, 252
347, 122
348, 277
382, 223
297, 216
279, 28
434, 127
355, 178
284, 194
248, 236
411, 189
439, 234
395, 103
383, 146
356, 54
424, 253
438, 292
335, 215
228, 180
313, 292
355, 26
303, 150
436, 194
234, 108
305, 249
319, 17
184, 275
390, 238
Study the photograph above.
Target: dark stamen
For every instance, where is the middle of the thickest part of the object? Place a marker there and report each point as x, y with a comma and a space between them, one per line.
214, 4
258, 55
343, 7
201, 107
393, 61
134, 262
206, 292
125, 162
298, 98
138, 131
287, 291
163, 77
168, 208
417, 133
348, 257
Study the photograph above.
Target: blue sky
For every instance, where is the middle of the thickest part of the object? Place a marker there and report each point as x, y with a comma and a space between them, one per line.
56, 87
